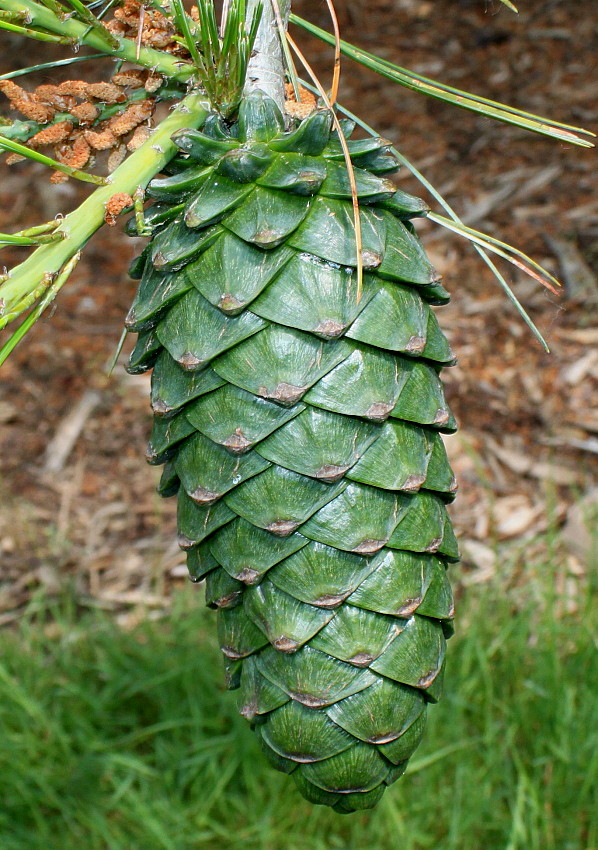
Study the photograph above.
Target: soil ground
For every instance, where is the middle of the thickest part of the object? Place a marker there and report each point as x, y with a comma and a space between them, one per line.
527, 452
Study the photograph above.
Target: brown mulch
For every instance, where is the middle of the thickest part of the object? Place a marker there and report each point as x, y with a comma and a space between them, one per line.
78, 502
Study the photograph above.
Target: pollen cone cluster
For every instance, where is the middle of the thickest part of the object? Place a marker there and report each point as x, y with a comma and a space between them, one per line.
298, 417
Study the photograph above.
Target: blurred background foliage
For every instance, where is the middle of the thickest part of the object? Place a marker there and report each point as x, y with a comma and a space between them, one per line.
126, 739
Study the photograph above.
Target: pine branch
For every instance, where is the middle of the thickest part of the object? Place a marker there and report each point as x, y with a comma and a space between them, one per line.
79, 225
46, 21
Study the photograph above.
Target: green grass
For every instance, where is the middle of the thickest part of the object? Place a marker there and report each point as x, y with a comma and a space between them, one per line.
126, 741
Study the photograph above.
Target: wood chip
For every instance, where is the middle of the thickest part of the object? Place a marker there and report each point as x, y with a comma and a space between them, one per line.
589, 445
580, 531
514, 515
584, 336
8, 411
525, 465
579, 279
483, 557
577, 371
68, 431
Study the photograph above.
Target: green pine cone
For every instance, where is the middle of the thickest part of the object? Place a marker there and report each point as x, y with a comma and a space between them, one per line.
299, 422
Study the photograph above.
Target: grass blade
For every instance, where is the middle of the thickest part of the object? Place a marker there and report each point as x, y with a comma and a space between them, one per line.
438, 755
72, 712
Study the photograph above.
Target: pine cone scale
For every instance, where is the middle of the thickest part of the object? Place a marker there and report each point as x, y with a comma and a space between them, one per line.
299, 418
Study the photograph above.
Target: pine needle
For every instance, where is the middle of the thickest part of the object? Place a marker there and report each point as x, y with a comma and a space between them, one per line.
36, 156
55, 7
88, 17
528, 265
30, 280
463, 99
349, 164
138, 40
220, 55
22, 239
446, 206
50, 21
495, 271
51, 292
47, 65
337, 54
182, 20
117, 351
8, 239
35, 34
288, 59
